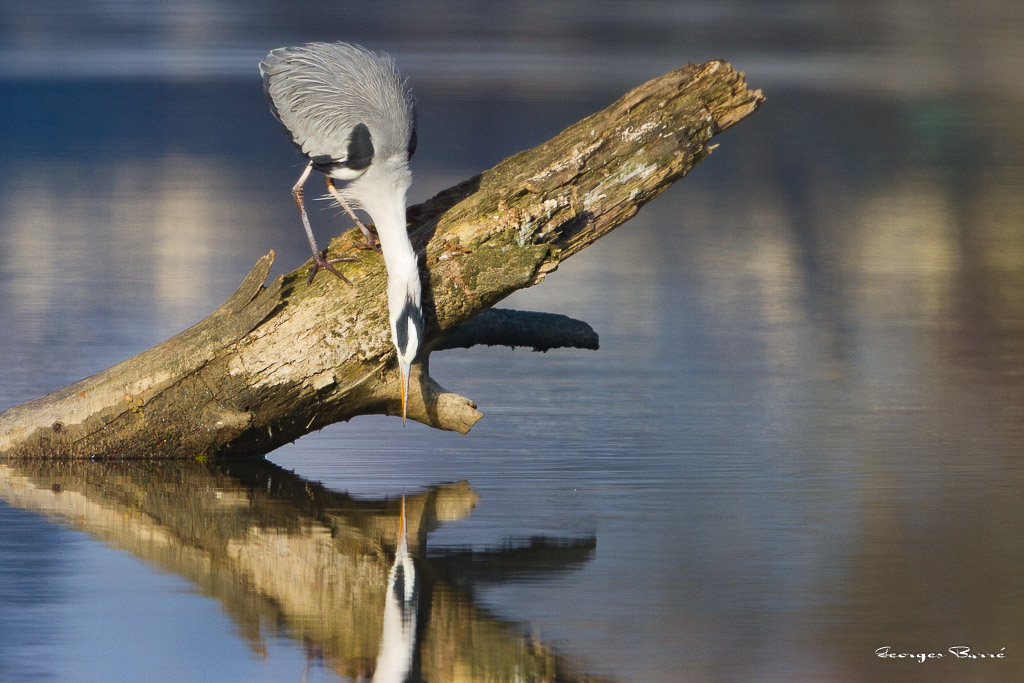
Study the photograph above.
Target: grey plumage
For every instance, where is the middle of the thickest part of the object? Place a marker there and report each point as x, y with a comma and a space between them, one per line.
322, 91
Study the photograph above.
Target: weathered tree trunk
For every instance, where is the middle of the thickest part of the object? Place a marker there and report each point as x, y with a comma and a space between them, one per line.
278, 361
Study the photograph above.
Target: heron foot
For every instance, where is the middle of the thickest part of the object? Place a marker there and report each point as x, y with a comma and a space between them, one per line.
371, 243
321, 263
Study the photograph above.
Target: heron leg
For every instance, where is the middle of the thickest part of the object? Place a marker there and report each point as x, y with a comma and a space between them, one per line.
318, 259
371, 240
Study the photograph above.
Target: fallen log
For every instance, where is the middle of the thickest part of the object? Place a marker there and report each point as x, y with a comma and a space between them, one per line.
279, 360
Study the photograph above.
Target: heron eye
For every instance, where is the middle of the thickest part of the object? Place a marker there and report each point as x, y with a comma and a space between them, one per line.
412, 144
360, 148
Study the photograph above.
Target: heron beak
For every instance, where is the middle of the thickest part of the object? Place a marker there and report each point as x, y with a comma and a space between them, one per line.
405, 390
401, 519
403, 533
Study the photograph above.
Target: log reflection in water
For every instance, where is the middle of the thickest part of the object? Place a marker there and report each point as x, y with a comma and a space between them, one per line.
273, 548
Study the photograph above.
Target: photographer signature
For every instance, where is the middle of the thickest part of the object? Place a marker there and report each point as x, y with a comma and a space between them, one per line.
957, 651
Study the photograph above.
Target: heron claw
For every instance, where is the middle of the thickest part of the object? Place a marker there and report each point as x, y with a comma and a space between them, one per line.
371, 244
321, 263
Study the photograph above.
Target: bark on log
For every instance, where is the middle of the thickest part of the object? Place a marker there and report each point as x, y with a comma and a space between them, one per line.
275, 362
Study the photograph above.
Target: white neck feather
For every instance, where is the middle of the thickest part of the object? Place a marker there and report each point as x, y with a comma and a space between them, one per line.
382, 192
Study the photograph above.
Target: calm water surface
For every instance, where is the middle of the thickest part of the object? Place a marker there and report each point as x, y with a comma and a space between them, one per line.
799, 442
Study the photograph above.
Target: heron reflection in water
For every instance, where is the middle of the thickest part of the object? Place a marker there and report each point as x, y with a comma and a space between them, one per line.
398, 638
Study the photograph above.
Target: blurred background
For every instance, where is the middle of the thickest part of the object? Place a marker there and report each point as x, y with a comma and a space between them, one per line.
801, 439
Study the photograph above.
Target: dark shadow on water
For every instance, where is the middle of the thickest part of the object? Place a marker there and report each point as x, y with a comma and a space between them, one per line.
517, 560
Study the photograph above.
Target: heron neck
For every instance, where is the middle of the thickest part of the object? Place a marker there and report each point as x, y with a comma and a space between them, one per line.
382, 194
397, 250
399, 256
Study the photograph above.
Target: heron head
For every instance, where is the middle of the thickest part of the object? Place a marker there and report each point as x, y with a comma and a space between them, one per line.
406, 335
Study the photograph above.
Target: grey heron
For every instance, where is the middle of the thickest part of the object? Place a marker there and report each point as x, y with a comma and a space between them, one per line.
351, 113
398, 637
